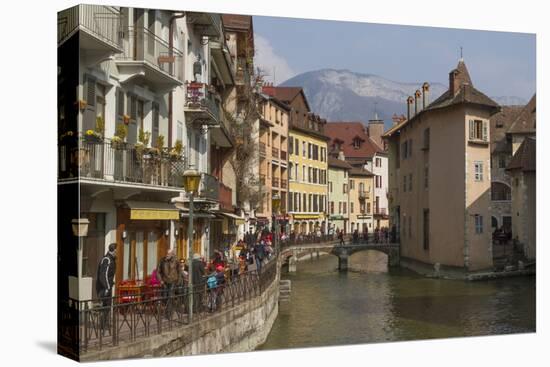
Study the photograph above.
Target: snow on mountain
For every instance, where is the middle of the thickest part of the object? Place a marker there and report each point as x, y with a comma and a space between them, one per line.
343, 95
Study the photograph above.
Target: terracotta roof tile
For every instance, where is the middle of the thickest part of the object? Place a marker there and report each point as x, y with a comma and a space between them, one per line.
360, 172
525, 158
526, 121
335, 162
347, 132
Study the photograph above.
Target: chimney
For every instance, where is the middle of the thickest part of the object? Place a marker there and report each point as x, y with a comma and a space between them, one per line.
410, 102
341, 155
268, 89
397, 119
425, 95
454, 83
375, 129
417, 102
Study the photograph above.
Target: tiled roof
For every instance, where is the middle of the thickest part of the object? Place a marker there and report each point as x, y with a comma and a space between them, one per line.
360, 172
500, 124
335, 162
347, 132
526, 122
465, 93
525, 158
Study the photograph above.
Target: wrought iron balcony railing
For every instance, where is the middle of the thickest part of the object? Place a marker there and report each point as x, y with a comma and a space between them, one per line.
139, 44
102, 22
203, 103
119, 162
364, 195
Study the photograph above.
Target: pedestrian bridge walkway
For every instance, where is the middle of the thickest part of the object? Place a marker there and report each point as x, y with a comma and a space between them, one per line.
290, 251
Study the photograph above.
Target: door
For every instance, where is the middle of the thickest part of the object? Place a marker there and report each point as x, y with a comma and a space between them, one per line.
93, 246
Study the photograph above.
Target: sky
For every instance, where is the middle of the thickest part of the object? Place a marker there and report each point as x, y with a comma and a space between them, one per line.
500, 63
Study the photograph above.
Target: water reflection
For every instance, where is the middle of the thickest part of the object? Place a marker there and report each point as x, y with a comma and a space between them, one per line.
377, 304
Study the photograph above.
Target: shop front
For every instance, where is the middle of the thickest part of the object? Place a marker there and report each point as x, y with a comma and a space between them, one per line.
143, 230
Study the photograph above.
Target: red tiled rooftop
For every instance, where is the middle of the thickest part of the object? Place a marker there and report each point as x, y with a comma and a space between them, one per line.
347, 132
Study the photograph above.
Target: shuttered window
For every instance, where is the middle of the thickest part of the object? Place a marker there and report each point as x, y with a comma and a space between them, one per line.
478, 171
90, 90
155, 127
478, 130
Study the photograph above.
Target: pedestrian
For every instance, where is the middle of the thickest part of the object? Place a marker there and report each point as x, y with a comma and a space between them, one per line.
198, 280
341, 237
386, 235
169, 276
366, 234
106, 271
355, 236
259, 253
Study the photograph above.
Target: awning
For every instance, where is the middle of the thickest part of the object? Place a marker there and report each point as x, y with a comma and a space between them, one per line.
198, 215
306, 216
238, 220
150, 210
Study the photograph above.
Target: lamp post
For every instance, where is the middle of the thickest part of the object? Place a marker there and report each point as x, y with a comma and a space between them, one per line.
275, 204
191, 181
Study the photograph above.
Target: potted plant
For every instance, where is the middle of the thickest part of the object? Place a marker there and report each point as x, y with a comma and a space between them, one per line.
175, 152
96, 135
117, 141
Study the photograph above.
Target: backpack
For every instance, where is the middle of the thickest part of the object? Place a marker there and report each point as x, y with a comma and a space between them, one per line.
212, 281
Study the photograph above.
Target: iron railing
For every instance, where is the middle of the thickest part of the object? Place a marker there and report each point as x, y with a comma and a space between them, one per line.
199, 98
101, 21
140, 44
364, 195
392, 238
380, 211
119, 162
98, 323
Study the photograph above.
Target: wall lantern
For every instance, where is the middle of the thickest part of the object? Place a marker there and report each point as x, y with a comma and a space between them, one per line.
80, 227
176, 232
124, 235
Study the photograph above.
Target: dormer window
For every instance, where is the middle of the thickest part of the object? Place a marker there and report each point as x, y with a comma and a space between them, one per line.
357, 143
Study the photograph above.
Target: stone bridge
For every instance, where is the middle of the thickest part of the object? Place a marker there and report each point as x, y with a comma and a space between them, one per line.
343, 252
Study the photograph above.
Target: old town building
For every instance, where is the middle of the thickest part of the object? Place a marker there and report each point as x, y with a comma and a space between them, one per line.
307, 166
440, 177
339, 208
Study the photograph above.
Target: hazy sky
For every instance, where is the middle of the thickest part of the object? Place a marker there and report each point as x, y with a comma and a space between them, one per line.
500, 63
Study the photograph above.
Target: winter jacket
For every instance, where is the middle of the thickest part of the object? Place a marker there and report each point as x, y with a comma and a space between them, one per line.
106, 270
198, 272
169, 270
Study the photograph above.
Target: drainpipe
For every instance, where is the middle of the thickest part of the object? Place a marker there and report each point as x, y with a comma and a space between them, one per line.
171, 94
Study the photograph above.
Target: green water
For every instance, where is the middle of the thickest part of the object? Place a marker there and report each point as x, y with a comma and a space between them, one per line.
377, 305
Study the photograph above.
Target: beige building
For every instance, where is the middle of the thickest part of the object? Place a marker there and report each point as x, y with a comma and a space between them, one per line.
361, 200
338, 209
440, 178
273, 156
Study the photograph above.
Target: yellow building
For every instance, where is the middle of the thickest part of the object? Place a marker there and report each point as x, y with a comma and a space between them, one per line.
307, 166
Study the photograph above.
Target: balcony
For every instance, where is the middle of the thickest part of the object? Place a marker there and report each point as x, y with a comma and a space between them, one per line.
202, 105
262, 149
275, 182
226, 197
275, 153
242, 75
98, 28
148, 59
206, 24
364, 195
122, 163
380, 211
222, 58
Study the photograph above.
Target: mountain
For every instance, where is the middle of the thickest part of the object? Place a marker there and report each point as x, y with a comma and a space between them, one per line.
509, 100
343, 95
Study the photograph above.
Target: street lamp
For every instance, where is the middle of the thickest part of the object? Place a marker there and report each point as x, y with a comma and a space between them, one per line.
191, 182
275, 204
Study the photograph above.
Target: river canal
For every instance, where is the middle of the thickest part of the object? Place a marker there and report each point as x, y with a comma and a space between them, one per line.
372, 304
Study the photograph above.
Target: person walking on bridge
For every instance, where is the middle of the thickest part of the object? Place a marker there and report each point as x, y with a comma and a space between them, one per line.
341, 237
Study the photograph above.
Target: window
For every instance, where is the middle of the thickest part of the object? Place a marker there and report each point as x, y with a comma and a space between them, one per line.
310, 202
291, 145
410, 182
351, 184
304, 203
345, 188
309, 150
332, 207
340, 207
304, 178
309, 174
290, 170
357, 143
351, 208
478, 219
478, 171
478, 130
426, 229
502, 161
290, 199
362, 208
404, 149
426, 144
330, 186
304, 149
378, 162
500, 191
404, 183
426, 175
378, 181
368, 208
345, 208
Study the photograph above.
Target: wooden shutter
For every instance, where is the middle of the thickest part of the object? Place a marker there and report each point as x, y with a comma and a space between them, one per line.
472, 130
484, 130
89, 115
155, 132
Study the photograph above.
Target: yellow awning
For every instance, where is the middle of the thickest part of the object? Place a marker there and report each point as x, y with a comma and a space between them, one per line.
306, 216
148, 210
